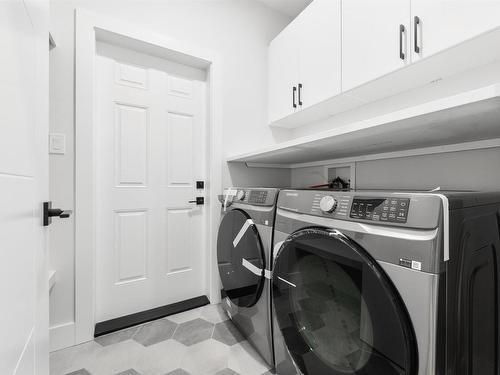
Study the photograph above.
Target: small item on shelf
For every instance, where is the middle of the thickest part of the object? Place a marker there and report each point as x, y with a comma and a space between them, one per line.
336, 184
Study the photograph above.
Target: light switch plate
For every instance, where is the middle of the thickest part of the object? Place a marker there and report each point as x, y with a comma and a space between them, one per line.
57, 143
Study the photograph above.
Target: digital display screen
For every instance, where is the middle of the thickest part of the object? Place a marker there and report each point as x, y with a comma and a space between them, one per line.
393, 210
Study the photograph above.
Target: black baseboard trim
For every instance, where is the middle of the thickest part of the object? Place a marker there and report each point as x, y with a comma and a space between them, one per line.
113, 325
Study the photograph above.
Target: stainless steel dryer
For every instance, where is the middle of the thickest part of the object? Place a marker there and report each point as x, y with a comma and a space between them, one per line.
244, 258
383, 283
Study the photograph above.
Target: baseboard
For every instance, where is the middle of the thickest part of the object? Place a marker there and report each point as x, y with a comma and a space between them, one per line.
112, 325
62, 336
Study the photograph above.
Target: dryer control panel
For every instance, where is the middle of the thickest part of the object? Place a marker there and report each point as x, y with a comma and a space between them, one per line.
393, 210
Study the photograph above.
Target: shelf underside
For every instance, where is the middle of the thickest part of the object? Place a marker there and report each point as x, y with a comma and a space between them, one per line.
479, 120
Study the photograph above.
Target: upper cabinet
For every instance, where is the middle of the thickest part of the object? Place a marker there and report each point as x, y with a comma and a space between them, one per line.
341, 54
374, 39
305, 60
283, 65
440, 24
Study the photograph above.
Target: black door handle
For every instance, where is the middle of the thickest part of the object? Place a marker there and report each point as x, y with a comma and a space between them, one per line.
49, 213
401, 33
300, 94
416, 23
199, 201
294, 91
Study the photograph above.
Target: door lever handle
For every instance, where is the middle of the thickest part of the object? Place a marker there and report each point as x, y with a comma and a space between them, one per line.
49, 213
199, 201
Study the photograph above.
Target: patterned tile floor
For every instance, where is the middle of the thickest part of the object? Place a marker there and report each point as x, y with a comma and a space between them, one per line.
196, 342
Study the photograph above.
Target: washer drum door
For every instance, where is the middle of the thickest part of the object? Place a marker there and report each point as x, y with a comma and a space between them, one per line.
337, 310
240, 258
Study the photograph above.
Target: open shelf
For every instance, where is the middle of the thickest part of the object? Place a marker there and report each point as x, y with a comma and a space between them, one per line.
466, 117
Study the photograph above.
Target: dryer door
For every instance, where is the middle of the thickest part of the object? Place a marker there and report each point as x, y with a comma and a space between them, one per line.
240, 257
337, 311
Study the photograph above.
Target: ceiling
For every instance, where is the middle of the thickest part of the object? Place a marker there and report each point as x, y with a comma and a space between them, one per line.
290, 8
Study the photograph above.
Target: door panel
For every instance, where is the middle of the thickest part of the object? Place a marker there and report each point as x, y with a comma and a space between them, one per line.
150, 151
23, 187
445, 23
283, 72
320, 51
371, 37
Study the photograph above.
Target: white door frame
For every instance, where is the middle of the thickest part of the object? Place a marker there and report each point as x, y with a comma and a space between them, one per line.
88, 28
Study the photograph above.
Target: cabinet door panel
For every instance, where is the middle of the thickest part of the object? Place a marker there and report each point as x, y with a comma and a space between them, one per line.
283, 72
320, 51
371, 39
445, 23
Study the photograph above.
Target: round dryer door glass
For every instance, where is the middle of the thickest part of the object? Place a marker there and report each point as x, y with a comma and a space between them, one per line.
336, 309
240, 257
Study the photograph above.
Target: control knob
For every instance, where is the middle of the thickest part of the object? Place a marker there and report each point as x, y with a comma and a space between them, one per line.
328, 204
240, 195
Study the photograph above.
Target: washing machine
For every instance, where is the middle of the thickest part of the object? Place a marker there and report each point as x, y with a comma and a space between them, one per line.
383, 283
244, 259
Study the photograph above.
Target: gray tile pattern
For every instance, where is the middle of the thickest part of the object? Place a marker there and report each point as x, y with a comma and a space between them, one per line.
227, 371
193, 332
155, 332
178, 371
116, 337
227, 333
80, 372
197, 342
129, 372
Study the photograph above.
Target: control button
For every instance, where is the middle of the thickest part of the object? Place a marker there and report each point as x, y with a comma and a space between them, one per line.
328, 203
393, 208
392, 216
403, 204
241, 194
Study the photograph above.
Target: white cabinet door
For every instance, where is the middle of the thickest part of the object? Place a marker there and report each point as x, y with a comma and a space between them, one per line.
319, 28
283, 73
371, 39
445, 23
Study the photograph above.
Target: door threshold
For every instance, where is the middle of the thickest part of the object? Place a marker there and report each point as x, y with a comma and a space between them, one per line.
117, 324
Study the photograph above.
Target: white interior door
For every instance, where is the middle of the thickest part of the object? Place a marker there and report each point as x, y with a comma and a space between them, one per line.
445, 23
23, 187
151, 246
371, 39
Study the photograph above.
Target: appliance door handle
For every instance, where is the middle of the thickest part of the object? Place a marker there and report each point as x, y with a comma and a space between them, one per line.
300, 94
256, 270
416, 24
401, 35
294, 91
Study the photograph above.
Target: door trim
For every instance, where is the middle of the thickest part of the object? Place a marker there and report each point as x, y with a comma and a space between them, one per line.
90, 28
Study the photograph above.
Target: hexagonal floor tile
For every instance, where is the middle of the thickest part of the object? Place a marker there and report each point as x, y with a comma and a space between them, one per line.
227, 371
116, 337
178, 371
155, 332
193, 332
129, 372
79, 372
227, 333
207, 357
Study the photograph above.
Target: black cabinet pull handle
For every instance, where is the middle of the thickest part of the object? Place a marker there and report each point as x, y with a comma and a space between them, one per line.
300, 94
401, 34
416, 23
294, 91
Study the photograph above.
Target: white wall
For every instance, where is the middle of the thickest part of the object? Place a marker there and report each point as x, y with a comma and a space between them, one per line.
238, 30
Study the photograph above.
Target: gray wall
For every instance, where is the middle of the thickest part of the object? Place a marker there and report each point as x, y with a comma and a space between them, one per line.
463, 170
